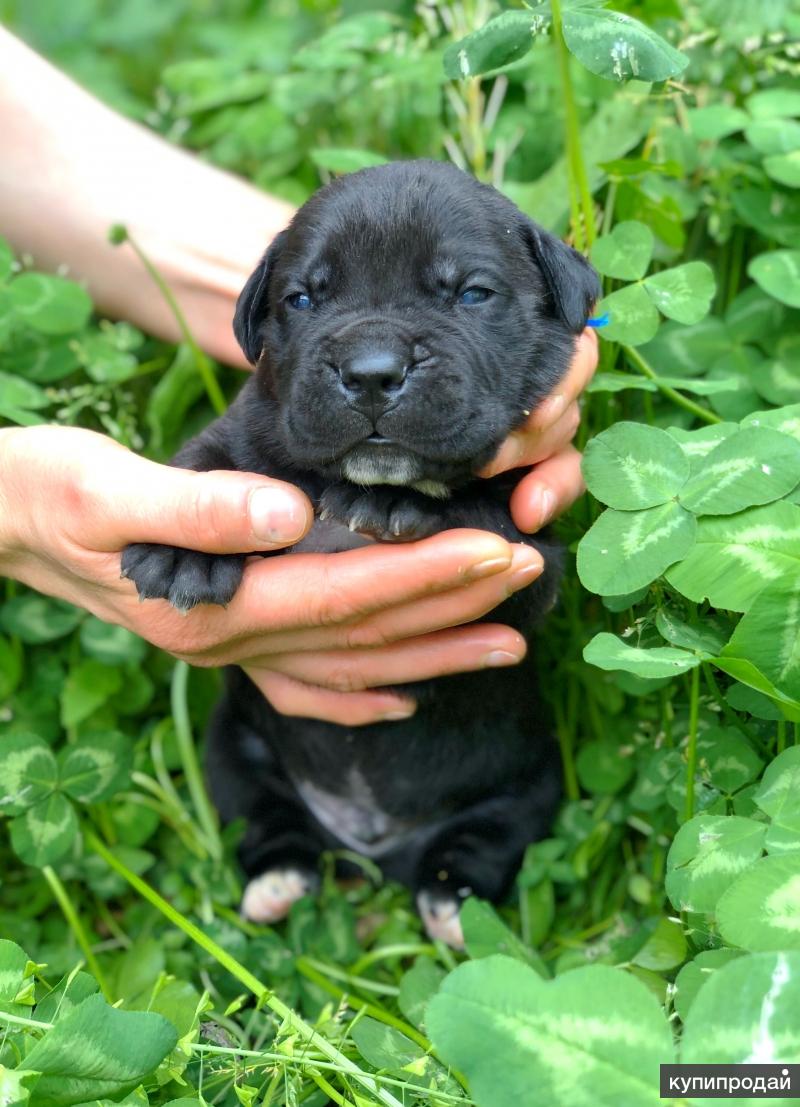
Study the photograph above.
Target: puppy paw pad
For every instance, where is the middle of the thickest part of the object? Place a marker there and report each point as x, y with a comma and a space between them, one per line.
439, 915
268, 898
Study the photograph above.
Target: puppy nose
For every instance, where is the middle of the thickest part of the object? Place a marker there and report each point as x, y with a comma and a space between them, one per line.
374, 372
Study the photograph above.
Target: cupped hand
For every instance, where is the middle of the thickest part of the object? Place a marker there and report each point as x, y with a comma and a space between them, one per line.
545, 442
320, 634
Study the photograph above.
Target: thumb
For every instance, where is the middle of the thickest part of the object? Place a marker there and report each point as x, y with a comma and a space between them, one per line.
118, 497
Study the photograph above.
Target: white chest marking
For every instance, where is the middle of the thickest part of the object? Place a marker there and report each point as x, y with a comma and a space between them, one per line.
355, 818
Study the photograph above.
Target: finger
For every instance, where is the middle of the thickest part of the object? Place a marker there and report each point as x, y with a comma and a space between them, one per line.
380, 628
450, 610
111, 497
524, 448
581, 371
450, 651
216, 512
292, 697
525, 445
314, 591
547, 491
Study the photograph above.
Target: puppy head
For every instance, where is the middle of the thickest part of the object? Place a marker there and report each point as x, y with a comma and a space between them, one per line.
407, 319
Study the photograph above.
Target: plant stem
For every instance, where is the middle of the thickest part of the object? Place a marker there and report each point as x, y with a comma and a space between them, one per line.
735, 264
728, 711
666, 717
175, 817
307, 969
402, 949
524, 916
565, 744
204, 367
354, 981
76, 926
575, 215
575, 941
29, 1024
577, 165
608, 211
474, 123
648, 371
781, 735
287, 1059
242, 974
691, 749
328, 1089
191, 766
265, 1056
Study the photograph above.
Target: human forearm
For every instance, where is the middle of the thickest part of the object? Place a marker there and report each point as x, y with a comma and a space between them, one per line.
71, 168
8, 519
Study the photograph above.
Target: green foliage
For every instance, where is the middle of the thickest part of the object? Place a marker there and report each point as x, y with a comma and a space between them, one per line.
609, 43
509, 1029
636, 467
778, 273
51, 305
615, 46
73, 1045
96, 1052
38, 788
682, 293
728, 1012
659, 920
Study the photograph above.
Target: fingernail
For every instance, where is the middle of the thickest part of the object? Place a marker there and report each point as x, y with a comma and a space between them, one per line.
398, 713
528, 571
277, 515
498, 658
547, 506
487, 568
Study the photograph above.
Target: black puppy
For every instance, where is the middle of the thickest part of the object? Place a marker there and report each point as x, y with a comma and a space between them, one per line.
403, 324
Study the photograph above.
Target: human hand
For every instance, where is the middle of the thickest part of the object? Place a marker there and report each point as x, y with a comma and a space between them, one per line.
544, 442
316, 632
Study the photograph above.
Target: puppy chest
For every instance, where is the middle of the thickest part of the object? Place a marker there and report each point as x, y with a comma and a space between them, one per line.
354, 815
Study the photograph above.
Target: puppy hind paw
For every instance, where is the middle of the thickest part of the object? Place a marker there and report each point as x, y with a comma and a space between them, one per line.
269, 897
439, 912
185, 578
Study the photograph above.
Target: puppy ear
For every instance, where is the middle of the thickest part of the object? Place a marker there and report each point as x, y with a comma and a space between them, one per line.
251, 307
573, 283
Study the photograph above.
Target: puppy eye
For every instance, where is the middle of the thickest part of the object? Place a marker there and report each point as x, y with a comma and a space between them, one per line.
301, 301
475, 295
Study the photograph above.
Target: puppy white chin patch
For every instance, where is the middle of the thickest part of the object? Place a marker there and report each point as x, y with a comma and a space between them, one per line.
363, 469
268, 898
398, 472
440, 918
433, 488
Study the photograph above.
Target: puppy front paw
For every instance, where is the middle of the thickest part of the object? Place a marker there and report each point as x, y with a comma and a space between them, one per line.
386, 514
185, 578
